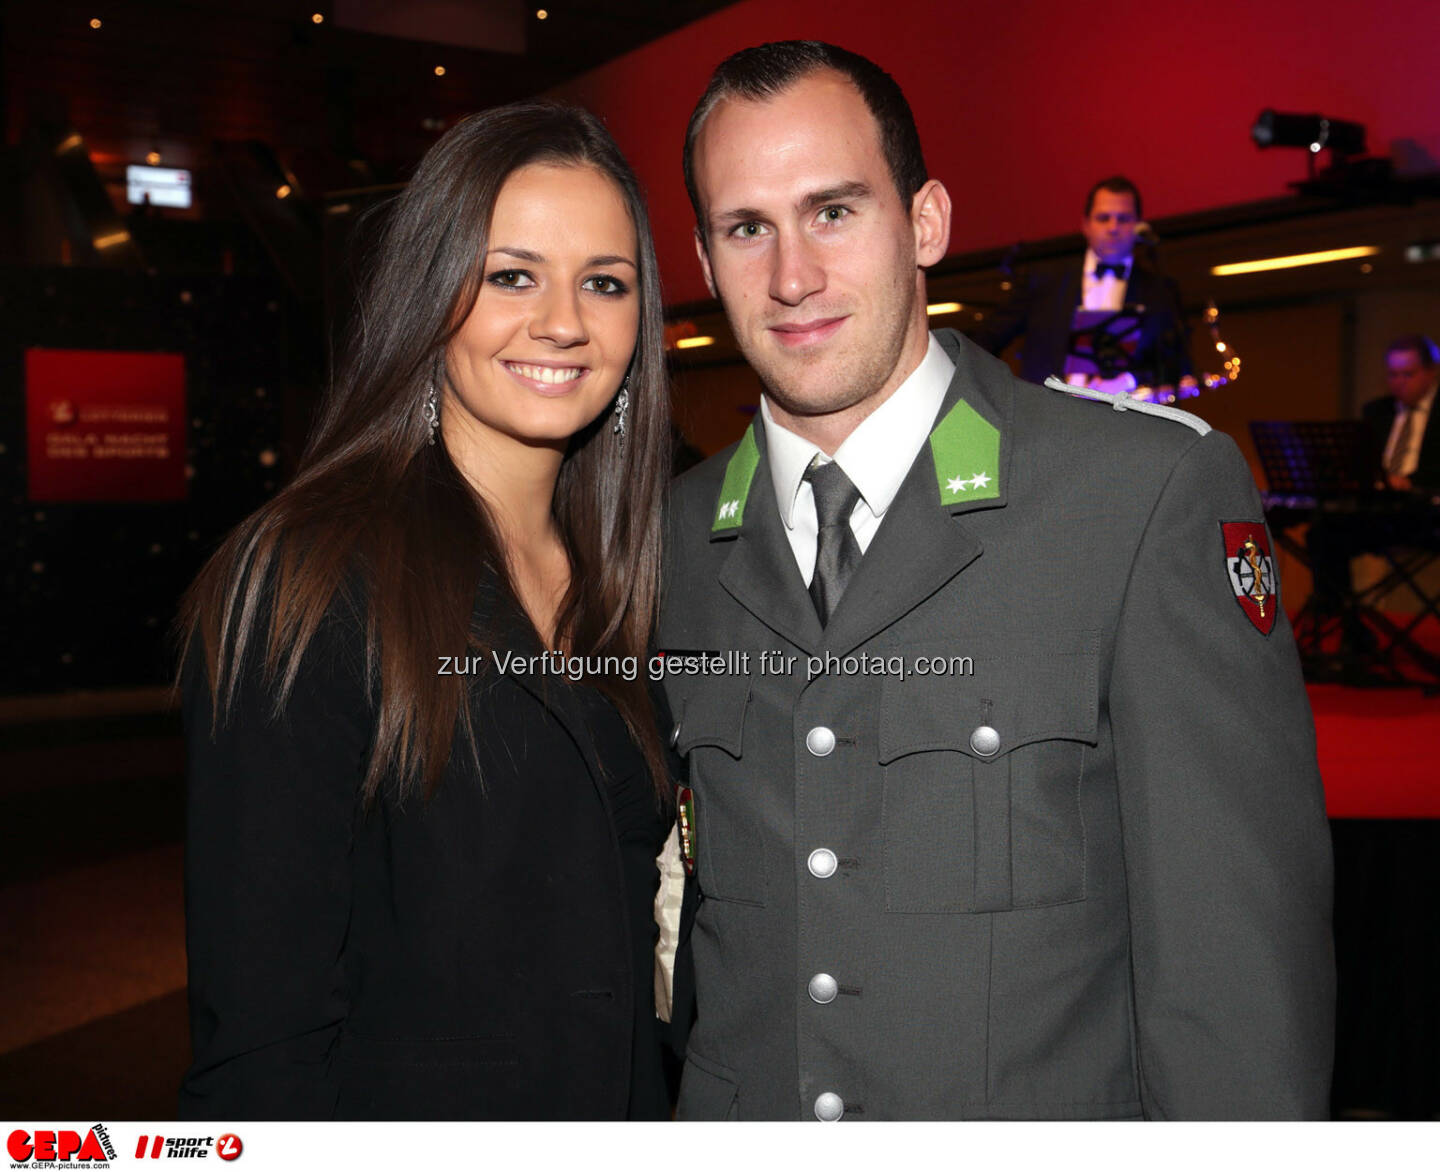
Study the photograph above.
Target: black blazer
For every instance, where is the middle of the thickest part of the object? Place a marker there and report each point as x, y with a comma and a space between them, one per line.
461, 958
1042, 307
1379, 416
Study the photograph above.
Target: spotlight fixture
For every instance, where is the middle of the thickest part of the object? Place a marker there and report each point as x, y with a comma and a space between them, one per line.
1314, 132
95, 22
317, 17
541, 14
439, 71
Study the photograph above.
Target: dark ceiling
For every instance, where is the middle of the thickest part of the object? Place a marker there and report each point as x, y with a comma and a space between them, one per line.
331, 99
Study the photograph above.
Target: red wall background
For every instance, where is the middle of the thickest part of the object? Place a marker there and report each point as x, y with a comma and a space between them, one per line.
1022, 105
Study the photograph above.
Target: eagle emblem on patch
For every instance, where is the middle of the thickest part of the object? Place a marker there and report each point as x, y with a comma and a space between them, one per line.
1250, 567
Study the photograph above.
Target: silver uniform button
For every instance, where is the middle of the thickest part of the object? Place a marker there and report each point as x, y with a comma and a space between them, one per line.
674, 736
985, 741
829, 1107
820, 741
822, 863
823, 988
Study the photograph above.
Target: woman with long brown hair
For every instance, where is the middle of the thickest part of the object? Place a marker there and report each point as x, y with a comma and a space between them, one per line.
426, 790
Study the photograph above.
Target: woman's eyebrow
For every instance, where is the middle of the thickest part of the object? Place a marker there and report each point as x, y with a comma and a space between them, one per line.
519, 254
533, 257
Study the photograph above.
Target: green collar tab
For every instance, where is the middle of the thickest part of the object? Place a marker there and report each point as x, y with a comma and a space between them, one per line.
966, 449
730, 508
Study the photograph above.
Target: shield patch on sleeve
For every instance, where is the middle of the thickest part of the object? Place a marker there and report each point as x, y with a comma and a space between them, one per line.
1250, 567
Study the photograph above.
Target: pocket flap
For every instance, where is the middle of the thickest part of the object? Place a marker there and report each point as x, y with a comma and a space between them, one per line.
1025, 696
707, 1091
712, 712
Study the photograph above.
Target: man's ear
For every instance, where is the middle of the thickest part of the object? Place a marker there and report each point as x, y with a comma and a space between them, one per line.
703, 253
930, 216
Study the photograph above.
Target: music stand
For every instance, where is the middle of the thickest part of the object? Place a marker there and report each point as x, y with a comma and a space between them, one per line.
1310, 460
1103, 341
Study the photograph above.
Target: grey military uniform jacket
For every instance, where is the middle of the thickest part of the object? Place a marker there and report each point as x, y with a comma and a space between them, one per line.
1088, 877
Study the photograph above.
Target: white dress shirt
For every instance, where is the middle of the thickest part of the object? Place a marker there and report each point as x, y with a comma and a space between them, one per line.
876, 456
1411, 458
1107, 292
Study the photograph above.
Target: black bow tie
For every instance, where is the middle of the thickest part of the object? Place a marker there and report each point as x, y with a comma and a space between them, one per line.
1103, 267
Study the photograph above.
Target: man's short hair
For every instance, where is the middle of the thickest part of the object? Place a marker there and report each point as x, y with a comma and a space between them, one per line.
1420, 344
1120, 186
766, 71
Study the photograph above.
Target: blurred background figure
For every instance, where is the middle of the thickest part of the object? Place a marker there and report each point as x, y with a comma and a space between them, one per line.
1409, 448
1118, 281
1391, 511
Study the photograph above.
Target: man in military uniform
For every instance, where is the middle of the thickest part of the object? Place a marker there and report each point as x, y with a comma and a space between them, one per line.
1012, 811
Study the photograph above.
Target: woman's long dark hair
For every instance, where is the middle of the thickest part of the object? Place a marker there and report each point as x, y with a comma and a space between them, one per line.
373, 502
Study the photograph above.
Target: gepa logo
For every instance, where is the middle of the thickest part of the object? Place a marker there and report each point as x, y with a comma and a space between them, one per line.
62, 1147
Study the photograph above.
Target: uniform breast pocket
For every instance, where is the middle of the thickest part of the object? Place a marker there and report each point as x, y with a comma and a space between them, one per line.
710, 726
982, 780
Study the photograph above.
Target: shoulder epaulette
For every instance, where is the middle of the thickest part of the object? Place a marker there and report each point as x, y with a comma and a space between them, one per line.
1124, 403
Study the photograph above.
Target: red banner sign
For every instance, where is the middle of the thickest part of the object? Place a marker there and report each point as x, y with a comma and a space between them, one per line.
105, 425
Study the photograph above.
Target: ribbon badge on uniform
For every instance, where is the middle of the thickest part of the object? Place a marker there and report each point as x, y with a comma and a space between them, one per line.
685, 817
1251, 568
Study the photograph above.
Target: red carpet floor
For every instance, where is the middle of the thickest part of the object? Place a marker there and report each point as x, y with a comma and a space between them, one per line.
1379, 751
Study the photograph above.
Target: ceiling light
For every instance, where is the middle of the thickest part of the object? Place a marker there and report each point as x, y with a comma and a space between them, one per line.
95, 23
439, 71
283, 191
541, 14
1269, 264
153, 158
943, 307
694, 343
318, 17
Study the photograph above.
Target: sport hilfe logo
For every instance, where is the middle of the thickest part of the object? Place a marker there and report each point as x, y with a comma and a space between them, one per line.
195, 1147
65, 1147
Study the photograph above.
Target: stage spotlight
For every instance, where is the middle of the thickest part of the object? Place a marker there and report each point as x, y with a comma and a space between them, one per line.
1313, 132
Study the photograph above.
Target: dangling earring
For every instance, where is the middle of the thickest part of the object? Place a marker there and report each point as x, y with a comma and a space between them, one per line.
430, 412
622, 405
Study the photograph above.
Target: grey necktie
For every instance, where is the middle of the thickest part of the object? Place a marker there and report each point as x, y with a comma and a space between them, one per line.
837, 553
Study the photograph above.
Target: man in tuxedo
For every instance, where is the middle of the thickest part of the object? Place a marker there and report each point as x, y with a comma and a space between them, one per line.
1402, 434
1000, 792
1112, 275
1403, 456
